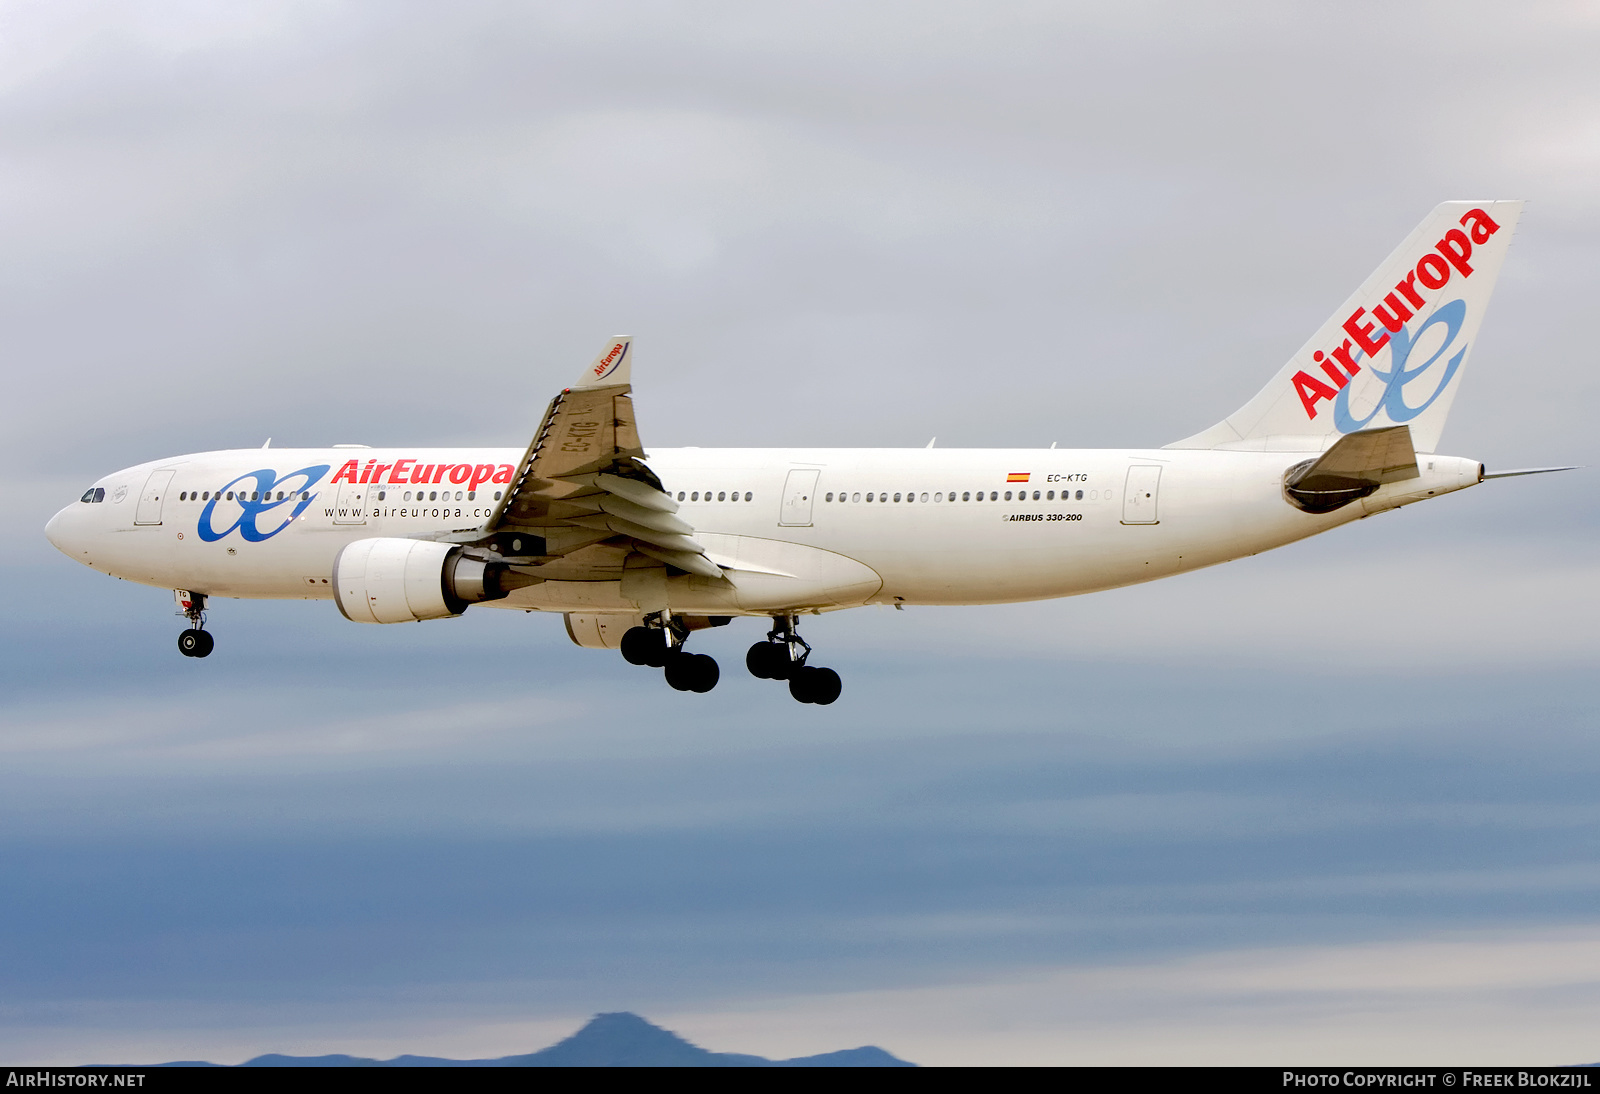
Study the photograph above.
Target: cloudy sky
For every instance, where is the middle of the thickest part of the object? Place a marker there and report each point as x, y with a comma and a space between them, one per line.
1334, 803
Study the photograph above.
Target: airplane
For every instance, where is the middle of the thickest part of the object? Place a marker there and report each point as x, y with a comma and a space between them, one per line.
640, 548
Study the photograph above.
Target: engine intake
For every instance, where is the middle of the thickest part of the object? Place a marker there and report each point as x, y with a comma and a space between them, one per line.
408, 580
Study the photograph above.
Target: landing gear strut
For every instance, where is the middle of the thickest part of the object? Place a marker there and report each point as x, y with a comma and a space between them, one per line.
783, 657
196, 641
659, 644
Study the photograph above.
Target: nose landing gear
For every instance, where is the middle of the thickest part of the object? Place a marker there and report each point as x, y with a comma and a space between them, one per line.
196, 641
783, 657
659, 644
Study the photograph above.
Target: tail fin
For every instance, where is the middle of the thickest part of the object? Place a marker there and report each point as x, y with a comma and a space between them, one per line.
1393, 354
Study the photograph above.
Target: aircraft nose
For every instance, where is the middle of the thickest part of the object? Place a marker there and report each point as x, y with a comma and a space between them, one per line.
60, 532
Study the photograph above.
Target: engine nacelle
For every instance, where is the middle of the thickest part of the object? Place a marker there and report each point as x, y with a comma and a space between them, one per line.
408, 580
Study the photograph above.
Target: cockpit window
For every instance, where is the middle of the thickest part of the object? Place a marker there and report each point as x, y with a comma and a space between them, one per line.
94, 494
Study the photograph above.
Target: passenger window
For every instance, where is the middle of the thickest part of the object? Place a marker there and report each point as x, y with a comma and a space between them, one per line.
695, 496
722, 495
1050, 495
897, 497
1008, 495
305, 495
748, 495
472, 495
406, 496
1080, 495
938, 497
382, 495
1036, 495
924, 497
855, 497
828, 496
680, 495
183, 495
869, 495
230, 495
497, 495
966, 496
994, 495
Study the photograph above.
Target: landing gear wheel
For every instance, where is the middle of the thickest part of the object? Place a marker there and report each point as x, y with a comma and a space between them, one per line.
769, 661
815, 685
645, 646
692, 672
195, 643
707, 673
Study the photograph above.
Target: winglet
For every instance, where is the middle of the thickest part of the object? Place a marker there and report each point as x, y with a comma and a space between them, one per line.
612, 367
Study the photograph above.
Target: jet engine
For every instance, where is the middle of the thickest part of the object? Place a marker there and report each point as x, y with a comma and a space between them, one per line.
408, 580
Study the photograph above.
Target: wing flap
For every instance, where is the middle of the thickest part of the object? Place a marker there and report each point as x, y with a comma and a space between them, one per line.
584, 487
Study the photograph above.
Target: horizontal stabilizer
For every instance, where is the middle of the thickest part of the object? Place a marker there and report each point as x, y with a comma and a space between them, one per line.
1353, 467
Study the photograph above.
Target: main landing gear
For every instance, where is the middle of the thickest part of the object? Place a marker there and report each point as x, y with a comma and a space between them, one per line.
659, 644
196, 641
783, 657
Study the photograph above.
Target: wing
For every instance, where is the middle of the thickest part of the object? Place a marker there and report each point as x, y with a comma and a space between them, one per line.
583, 498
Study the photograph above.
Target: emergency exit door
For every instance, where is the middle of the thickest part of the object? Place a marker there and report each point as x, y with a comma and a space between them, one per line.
351, 506
155, 489
1140, 494
799, 492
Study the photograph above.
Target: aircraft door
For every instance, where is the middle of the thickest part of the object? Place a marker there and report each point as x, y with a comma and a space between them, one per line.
155, 489
1140, 494
350, 507
799, 492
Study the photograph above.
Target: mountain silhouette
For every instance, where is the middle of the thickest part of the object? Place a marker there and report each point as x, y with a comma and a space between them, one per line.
619, 1039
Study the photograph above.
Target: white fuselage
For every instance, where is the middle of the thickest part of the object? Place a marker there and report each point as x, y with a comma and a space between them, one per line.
1084, 520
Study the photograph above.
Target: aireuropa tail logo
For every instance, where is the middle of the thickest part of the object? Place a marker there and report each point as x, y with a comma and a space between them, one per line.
1432, 272
608, 364
270, 492
1392, 400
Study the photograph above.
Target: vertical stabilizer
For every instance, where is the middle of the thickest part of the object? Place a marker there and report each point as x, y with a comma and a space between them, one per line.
1394, 353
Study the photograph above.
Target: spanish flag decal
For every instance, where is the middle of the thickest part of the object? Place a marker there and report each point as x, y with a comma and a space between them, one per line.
1018, 476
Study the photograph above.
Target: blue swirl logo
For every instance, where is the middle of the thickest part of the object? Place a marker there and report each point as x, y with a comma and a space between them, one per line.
255, 503
1393, 400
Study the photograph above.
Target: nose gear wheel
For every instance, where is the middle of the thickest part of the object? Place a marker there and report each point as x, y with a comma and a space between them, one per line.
196, 641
